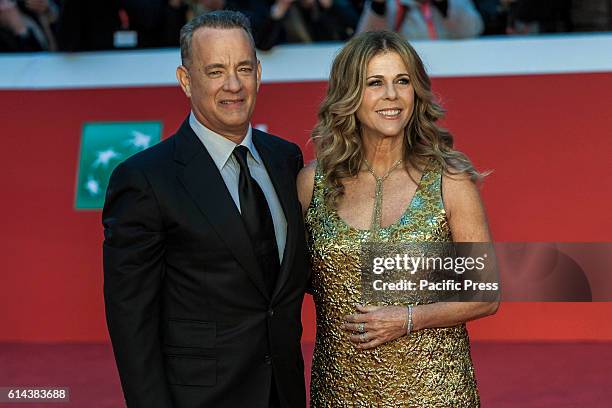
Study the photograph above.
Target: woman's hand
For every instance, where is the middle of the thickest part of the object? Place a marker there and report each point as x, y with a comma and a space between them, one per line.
376, 325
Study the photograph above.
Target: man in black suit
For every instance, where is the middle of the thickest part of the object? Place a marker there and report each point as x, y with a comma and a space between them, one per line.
204, 250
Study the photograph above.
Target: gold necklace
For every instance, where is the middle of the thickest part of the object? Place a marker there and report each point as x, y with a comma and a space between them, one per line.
378, 194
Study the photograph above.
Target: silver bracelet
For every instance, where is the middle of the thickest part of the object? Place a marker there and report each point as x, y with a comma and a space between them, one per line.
410, 325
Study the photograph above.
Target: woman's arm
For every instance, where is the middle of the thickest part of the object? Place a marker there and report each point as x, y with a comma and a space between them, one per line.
305, 185
467, 221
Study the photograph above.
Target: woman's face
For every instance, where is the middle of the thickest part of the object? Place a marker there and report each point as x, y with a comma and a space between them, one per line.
388, 97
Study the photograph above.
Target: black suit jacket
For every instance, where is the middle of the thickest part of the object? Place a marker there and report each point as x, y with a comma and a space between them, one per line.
191, 322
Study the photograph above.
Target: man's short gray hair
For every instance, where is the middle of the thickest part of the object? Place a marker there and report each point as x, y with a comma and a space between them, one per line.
224, 19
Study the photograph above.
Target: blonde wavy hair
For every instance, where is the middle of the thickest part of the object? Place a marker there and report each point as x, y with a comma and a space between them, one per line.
337, 135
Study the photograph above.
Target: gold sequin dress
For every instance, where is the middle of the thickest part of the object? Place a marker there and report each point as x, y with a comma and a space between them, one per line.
431, 367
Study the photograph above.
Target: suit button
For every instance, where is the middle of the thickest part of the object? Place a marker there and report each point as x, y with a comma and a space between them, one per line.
270, 313
267, 359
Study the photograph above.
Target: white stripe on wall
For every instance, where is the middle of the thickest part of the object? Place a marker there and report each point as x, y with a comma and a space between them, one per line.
295, 63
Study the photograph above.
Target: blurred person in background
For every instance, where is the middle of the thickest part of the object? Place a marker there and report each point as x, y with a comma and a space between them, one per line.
197, 7
107, 24
157, 23
494, 15
28, 25
290, 21
46, 15
523, 17
301, 21
88, 25
538, 16
423, 19
358, 5
591, 15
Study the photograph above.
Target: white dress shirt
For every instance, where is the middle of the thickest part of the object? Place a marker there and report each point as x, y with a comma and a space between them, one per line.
221, 149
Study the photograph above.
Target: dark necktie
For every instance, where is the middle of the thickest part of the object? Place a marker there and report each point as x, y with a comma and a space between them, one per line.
257, 220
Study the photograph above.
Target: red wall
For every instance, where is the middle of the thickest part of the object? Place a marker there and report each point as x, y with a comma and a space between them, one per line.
547, 138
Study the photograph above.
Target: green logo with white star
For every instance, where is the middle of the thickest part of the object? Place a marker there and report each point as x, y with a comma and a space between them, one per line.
103, 146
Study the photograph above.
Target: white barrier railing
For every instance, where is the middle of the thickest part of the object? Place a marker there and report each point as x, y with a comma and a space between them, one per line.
295, 63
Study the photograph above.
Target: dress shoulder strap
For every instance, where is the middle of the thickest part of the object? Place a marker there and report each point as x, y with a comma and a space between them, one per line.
318, 193
431, 182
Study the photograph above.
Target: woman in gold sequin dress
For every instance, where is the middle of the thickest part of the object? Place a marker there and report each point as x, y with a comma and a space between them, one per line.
386, 172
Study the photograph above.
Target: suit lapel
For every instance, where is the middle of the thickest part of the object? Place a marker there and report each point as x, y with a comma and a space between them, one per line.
280, 176
201, 178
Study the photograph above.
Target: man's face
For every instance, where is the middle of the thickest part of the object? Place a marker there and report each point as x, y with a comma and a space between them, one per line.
222, 80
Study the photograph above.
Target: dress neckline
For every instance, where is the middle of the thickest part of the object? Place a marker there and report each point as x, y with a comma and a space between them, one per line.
334, 211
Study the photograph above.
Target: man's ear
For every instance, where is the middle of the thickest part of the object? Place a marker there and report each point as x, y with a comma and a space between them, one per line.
182, 75
258, 74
